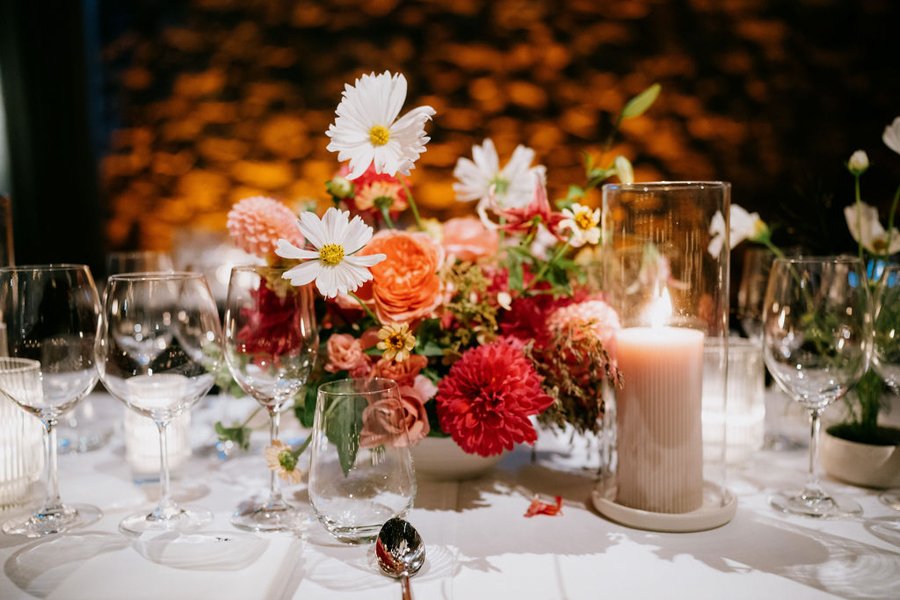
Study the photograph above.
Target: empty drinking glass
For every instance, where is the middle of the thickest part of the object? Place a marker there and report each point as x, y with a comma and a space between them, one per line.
361, 472
157, 353
51, 314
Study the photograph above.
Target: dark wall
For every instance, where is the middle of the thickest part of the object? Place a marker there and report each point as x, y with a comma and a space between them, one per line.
208, 101
56, 204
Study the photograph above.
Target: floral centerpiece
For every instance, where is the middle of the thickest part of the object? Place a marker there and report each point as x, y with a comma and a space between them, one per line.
485, 322
875, 245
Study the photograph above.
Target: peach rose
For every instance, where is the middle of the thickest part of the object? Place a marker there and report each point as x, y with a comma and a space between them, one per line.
384, 421
345, 353
405, 286
467, 238
404, 373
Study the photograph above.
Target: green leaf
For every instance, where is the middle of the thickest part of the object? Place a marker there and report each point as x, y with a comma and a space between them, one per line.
640, 103
343, 428
516, 274
238, 435
430, 348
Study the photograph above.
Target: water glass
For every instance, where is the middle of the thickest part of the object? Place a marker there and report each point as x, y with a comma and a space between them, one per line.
361, 471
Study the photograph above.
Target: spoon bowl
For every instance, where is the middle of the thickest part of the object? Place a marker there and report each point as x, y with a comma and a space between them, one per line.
400, 552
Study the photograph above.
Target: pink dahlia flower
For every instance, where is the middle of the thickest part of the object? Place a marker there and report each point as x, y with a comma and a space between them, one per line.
593, 317
256, 224
486, 399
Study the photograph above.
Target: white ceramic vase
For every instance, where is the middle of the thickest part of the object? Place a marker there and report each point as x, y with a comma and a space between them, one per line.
441, 459
865, 465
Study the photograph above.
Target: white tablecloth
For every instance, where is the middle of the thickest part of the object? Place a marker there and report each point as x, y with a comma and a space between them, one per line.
479, 544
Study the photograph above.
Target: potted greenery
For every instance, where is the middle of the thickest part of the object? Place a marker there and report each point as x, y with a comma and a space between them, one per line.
859, 449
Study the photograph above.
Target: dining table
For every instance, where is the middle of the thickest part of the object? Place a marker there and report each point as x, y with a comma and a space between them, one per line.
479, 541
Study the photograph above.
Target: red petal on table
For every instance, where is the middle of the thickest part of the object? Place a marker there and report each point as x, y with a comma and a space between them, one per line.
539, 507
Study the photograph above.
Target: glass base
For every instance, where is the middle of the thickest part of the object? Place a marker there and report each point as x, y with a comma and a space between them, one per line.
824, 507
183, 519
891, 498
257, 515
39, 524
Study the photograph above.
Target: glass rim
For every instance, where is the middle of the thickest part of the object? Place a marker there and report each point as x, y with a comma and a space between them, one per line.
25, 364
648, 186
49, 267
156, 276
259, 268
386, 384
810, 259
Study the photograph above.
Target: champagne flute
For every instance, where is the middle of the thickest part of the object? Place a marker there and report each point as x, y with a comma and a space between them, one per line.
817, 331
271, 342
51, 314
156, 353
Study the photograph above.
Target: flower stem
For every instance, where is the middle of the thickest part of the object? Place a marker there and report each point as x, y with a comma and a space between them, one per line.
365, 307
412, 203
385, 213
891, 214
559, 252
858, 215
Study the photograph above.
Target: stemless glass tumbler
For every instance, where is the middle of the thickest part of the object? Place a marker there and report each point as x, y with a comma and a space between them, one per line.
156, 352
51, 314
271, 342
816, 337
361, 471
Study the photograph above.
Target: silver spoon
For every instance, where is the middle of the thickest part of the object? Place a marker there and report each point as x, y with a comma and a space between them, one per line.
400, 552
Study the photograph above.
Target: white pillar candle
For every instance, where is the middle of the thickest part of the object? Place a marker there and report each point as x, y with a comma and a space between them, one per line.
660, 440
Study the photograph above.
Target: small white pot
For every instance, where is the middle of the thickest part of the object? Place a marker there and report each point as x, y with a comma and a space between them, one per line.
866, 465
442, 459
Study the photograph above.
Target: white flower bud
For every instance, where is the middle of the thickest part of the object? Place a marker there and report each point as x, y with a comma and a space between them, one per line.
858, 163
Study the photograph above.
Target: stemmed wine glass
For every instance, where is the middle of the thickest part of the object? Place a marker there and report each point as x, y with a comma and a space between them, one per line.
886, 344
271, 342
156, 352
51, 314
816, 340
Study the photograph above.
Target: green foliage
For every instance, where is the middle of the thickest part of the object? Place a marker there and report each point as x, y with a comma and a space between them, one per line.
640, 103
240, 435
343, 426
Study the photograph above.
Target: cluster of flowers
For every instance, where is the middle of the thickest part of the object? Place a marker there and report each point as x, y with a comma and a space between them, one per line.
484, 322
862, 219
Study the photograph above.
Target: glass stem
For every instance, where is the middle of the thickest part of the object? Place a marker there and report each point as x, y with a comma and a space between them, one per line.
166, 508
274, 487
52, 503
813, 490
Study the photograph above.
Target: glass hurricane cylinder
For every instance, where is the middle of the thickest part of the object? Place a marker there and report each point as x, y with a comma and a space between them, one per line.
21, 458
665, 271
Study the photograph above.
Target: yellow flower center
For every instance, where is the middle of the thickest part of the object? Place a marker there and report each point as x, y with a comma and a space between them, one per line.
331, 254
584, 219
395, 341
379, 135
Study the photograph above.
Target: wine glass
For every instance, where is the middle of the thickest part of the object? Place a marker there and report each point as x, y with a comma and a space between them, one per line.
51, 314
138, 261
156, 353
751, 289
361, 472
817, 331
271, 342
886, 346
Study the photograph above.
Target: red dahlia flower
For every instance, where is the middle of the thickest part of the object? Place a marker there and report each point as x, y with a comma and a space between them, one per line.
486, 399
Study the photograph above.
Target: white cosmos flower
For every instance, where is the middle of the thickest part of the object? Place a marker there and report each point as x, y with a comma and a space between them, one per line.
891, 135
744, 226
367, 130
334, 264
484, 180
867, 230
584, 223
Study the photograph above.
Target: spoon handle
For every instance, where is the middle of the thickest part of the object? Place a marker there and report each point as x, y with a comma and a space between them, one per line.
407, 592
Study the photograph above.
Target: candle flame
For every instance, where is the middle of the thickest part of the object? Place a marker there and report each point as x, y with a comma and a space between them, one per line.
659, 310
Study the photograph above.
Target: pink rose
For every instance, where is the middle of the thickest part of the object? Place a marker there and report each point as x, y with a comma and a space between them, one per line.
467, 238
384, 421
345, 353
